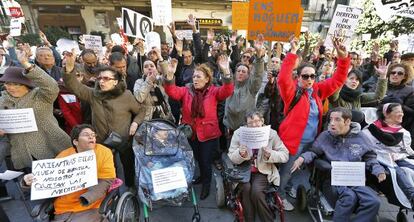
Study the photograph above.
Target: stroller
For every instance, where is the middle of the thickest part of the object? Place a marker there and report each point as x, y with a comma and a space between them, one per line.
164, 166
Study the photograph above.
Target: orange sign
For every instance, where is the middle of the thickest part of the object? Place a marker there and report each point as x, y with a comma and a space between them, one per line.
240, 10
275, 19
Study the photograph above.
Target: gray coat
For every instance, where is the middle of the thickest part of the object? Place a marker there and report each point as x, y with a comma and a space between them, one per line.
49, 140
243, 99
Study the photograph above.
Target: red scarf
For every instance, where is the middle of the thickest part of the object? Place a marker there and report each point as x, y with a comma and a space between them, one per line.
197, 107
385, 127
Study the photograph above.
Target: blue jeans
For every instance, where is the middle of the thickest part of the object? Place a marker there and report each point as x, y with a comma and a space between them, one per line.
286, 177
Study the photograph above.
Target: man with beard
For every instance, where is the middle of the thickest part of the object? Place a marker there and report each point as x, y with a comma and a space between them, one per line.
126, 64
91, 64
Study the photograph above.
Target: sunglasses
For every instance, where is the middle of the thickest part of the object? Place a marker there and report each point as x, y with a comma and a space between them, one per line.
397, 73
306, 76
104, 78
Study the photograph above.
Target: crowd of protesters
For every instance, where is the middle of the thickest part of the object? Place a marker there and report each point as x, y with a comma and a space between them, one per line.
215, 85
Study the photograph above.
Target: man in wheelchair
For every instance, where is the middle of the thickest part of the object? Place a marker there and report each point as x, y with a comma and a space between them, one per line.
83, 205
262, 167
344, 141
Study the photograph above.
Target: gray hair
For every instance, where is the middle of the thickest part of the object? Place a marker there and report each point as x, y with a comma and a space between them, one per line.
251, 114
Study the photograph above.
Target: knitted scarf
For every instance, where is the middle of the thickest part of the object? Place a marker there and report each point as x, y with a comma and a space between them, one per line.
197, 108
387, 138
350, 95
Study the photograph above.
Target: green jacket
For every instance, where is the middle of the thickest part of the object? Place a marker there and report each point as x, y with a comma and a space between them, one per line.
365, 98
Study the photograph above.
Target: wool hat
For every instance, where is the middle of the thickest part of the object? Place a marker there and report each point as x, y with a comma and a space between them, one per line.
15, 75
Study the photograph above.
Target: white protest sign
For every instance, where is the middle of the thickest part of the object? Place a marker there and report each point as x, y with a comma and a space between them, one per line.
168, 179
93, 42
119, 21
135, 24
161, 12
366, 37
67, 45
18, 120
347, 173
386, 9
152, 39
61, 176
10, 175
15, 27
254, 137
344, 21
117, 39
184, 34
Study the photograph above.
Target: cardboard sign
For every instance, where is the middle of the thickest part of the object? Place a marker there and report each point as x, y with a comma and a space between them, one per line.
275, 19
161, 12
18, 120
387, 9
93, 42
61, 176
347, 173
168, 179
239, 19
344, 22
15, 27
152, 39
135, 24
254, 137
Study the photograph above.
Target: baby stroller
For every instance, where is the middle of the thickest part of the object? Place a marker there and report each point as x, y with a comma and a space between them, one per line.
164, 166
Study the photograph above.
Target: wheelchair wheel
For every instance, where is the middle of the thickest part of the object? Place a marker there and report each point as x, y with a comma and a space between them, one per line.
127, 209
220, 193
301, 198
402, 217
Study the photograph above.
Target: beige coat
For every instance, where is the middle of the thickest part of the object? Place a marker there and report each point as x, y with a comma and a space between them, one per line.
279, 154
49, 140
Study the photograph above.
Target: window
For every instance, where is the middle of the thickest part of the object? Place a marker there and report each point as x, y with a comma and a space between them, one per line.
101, 19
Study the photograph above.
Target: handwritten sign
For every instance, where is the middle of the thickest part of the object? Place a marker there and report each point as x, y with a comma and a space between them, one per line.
161, 12
254, 137
347, 173
239, 18
344, 22
18, 120
93, 42
15, 27
184, 31
67, 45
387, 9
61, 176
275, 19
135, 24
167, 179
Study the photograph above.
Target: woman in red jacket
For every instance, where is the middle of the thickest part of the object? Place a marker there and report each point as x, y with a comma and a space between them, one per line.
199, 109
303, 105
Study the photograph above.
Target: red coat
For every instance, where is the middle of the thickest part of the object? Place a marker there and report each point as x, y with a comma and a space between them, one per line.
206, 128
293, 126
71, 110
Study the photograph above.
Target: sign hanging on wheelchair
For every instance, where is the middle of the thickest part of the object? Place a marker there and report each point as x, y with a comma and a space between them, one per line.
347, 173
167, 179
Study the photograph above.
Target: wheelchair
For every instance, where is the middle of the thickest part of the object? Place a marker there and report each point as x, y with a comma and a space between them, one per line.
115, 207
314, 200
228, 193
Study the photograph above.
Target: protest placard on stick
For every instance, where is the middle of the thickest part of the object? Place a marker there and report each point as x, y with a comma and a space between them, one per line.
61, 176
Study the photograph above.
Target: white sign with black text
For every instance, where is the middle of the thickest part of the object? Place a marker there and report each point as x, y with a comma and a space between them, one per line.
18, 120
387, 9
61, 176
167, 179
93, 42
347, 173
135, 24
161, 12
254, 137
15, 27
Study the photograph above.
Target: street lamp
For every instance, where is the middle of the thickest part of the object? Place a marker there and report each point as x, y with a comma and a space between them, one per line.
325, 9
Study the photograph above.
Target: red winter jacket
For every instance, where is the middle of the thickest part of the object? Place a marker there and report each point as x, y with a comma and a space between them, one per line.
206, 128
293, 126
71, 110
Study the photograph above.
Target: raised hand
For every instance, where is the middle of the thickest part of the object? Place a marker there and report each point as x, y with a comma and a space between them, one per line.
259, 46
44, 38
172, 67
179, 46
210, 36
223, 63
23, 55
382, 68
70, 59
294, 44
233, 38
339, 46
171, 27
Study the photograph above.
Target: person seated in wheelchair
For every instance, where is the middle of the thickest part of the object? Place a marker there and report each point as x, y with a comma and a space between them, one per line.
262, 168
83, 205
392, 143
344, 141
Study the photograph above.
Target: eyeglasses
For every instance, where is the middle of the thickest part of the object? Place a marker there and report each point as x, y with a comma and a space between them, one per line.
246, 57
306, 76
88, 134
397, 73
104, 78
